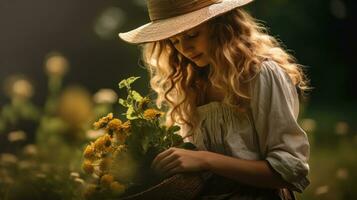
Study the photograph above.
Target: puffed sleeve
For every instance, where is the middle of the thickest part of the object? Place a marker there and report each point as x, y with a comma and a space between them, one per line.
275, 108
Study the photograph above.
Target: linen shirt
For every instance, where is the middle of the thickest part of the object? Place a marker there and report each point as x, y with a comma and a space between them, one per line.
270, 132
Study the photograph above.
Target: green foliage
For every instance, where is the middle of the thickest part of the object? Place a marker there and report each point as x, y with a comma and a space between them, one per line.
146, 133
41, 170
127, 82
18, 110
30, 177
132, 100
132, 145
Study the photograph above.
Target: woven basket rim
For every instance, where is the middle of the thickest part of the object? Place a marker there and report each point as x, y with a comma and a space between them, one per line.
165, 181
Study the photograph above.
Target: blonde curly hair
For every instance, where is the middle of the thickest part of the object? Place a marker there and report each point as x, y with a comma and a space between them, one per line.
238, 46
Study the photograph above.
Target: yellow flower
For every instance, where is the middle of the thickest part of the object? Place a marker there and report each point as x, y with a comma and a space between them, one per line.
110, 149
126, 126
121, 137
103, 121
102, 143
89, 152
144, 103
152, 114
105, 164
98, 173
88, 167
119, 149
89, 191
117, 188
106, 180
114, 125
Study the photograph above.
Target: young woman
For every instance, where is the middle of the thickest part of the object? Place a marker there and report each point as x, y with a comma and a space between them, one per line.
234, 91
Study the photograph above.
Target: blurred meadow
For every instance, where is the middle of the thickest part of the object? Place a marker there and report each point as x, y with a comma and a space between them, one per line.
61, 62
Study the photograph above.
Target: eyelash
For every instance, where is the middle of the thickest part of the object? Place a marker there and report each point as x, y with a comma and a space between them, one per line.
193, 35
189, 36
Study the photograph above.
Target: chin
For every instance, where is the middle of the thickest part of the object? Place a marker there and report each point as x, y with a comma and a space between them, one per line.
201, 64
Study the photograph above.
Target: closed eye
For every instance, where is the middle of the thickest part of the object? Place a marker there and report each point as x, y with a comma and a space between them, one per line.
193, 35
188, 36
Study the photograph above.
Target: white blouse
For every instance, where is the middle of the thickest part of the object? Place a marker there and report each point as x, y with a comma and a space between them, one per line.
274, 110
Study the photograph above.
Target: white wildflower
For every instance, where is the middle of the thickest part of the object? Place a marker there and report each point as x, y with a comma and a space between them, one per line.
24, 164
341, 128
79, 180
74, 174
41, 175
309, 125
7, 158
56, 65
22, 88
322, 190
105, 96
15, 136
30, 150
342, 173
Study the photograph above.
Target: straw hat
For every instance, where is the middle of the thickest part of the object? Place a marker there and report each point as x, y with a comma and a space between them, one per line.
171, 17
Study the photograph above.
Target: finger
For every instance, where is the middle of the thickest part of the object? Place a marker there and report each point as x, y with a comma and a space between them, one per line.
166, 161
173, 171
160, 156
171, 166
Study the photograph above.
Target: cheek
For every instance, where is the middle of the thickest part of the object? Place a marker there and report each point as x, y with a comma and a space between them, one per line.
204, 49
204, 44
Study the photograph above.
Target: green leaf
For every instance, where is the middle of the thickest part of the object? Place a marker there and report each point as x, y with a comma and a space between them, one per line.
130, 113
9, 114
188, 145
173, 129
123, 102
176, 140
122, 84
137, 97
145, 144
127, 82
132, 79
30, 112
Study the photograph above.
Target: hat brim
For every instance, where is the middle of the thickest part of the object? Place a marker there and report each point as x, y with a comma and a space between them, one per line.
165, 28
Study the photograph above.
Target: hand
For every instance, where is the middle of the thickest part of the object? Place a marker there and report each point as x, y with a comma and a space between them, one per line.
176, 160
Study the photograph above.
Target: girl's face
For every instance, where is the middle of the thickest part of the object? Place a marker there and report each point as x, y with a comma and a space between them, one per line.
193, 44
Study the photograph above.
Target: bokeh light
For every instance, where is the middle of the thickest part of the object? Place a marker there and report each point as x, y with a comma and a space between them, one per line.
109, 22
56, 64
341, 128
105, 96
338, 9
322, 190
19, 87
16, 136
309, 125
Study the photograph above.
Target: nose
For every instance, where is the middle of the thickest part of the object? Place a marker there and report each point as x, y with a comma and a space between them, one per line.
185, 46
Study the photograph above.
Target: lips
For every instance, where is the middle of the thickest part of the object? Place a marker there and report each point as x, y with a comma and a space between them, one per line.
196, 56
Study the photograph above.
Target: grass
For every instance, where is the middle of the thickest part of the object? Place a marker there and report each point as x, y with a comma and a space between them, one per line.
333, 158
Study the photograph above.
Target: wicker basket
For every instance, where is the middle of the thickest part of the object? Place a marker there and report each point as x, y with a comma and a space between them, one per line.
178, 187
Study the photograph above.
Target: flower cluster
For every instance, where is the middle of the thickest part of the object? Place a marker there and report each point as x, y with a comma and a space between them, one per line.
99, 156
120, 159
152, 114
